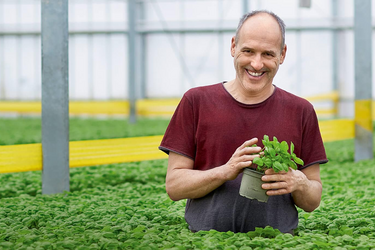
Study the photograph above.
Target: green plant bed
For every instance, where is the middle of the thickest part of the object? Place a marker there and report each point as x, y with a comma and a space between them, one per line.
125, 206
25, 130
30, 183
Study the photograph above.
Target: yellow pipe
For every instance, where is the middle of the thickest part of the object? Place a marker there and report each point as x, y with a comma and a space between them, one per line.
28, 157
145, 107
363, 114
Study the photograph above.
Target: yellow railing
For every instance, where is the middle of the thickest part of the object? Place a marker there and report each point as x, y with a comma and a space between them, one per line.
28, 157
332, 97
148, 107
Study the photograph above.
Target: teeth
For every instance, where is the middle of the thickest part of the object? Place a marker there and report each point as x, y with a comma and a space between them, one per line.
255, 74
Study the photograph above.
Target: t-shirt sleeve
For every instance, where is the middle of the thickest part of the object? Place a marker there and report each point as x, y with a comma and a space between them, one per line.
313, 150
180, 134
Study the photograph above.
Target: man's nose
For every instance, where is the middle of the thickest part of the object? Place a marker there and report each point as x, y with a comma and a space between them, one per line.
257, 62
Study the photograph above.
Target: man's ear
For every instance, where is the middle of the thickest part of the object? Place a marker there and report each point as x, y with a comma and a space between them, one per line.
283, 54
233, 46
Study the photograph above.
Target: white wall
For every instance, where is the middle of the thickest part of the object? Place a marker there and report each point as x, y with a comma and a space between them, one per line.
174, 62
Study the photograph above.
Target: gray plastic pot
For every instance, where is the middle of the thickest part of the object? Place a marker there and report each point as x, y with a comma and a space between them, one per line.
251, 185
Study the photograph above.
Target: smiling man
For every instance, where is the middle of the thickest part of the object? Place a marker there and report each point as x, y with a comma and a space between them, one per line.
210, 135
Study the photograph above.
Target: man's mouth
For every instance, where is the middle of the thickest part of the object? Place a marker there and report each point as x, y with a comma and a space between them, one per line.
255, 74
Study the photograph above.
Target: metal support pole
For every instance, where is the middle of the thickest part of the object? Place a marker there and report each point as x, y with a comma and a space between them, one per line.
245, 6
304, 3
132, 59
335, 42
142, 64
55, 96
363, 80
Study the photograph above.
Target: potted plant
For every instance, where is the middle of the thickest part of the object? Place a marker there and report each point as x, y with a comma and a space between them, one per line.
273, 155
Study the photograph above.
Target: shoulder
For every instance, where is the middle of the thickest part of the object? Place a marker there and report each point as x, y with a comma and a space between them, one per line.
290, 99
202, 90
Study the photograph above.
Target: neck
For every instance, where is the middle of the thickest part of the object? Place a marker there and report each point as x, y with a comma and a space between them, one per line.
248, 97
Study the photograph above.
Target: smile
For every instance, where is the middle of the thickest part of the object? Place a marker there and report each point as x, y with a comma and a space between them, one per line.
255, 74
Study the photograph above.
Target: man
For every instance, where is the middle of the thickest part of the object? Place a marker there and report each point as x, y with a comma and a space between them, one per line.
209, 137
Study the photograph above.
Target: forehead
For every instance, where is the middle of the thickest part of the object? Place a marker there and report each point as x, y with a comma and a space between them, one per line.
260, 29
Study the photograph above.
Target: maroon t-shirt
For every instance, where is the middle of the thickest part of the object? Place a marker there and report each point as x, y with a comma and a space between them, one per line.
209, 125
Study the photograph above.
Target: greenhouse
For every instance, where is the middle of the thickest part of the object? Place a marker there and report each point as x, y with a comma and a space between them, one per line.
88, 89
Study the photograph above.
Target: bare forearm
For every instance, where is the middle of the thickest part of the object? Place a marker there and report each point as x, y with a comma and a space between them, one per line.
185, 182
308, 197
195, 184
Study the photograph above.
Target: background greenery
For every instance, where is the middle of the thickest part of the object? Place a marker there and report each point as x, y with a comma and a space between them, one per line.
29, 129
124, 206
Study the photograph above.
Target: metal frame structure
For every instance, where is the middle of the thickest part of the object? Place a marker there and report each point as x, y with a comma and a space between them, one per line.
55, 90
363, 80
55, 96
132, 58
142, 29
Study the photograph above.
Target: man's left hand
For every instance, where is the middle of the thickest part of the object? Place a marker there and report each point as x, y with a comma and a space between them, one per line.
304, 185
283, 182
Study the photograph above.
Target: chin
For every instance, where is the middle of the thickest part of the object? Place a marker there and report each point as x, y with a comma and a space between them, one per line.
254, 87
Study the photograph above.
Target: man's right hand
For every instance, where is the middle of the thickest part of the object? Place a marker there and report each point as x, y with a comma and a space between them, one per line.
241, 158
185, 182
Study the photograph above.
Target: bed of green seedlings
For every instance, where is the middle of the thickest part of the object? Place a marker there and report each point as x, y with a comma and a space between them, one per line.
124, 206
25, 130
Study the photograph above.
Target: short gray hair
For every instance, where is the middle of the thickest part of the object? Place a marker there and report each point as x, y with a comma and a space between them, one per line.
253, 13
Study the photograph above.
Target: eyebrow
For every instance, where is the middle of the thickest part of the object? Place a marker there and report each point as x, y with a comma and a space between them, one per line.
267, 51
270, 52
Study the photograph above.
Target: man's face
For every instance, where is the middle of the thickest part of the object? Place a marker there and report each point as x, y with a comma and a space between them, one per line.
257, 54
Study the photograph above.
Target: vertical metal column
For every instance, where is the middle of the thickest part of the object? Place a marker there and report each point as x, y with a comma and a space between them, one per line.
305, 3
55, 96
132, 59
335, 41
142, 64
245, 6
363, 80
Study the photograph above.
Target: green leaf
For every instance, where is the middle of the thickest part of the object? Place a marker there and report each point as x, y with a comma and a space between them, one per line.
277, 166
297, 160
266, 138
272, 152
291, 147
267, 162
285, 167
266, 142
277, 148
258, 161
276, 145
284, 146
292, 164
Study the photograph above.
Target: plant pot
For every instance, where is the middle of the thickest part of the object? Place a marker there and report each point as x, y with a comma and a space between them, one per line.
251, 185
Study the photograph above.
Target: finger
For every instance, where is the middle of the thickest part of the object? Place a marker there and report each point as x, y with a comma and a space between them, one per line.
240, 165
252, 150
275, 185
277, 192
249, 143
274, 177
247, 158
271, 171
